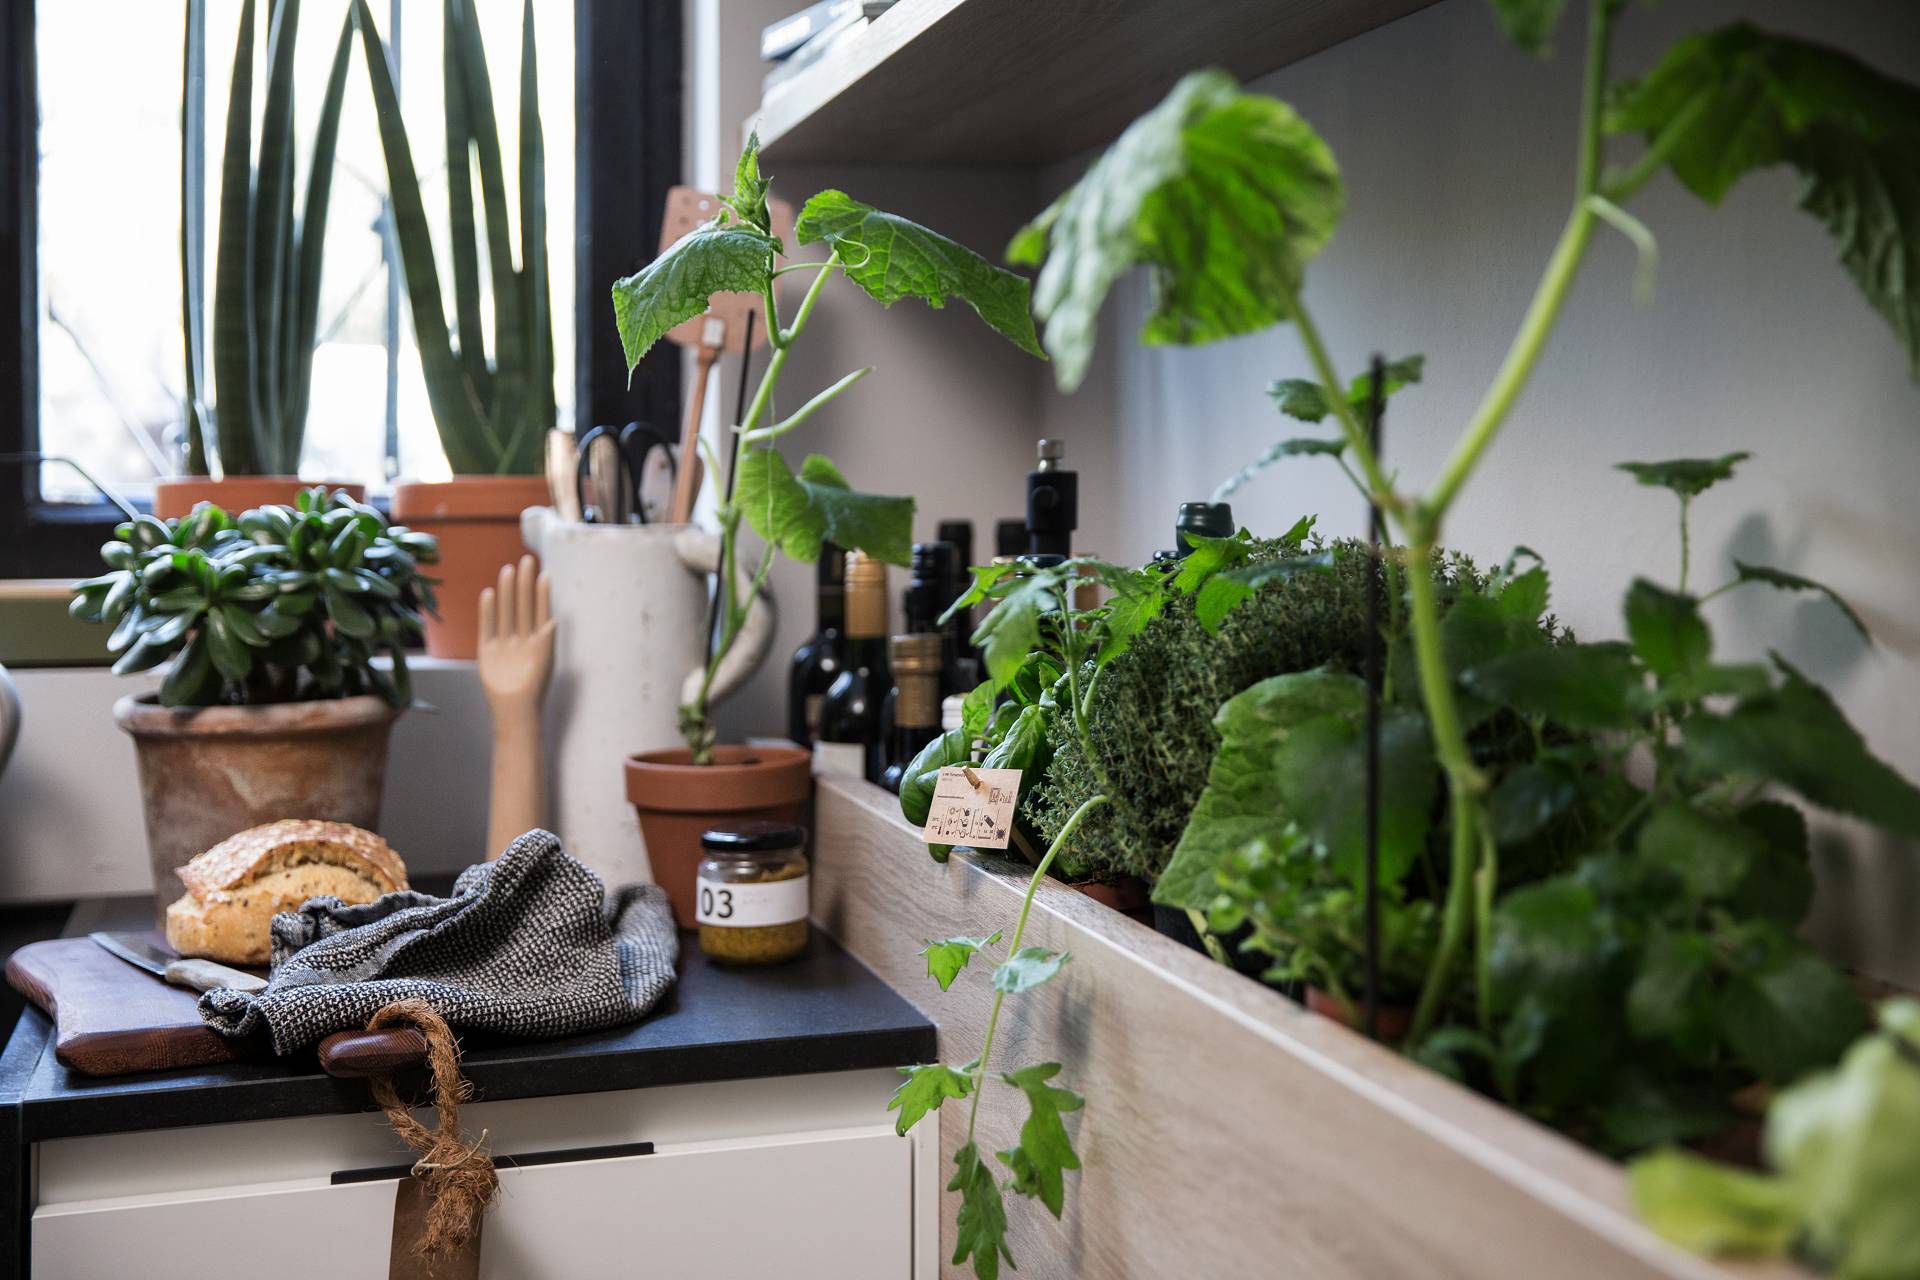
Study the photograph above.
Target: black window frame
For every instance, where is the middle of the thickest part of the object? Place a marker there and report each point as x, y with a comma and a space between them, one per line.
628, 121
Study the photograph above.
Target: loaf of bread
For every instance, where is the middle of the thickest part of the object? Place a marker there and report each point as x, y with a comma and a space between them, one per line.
236, 888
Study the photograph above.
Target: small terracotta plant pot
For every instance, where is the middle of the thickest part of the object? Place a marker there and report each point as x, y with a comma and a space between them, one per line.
1395, 1019
677, 800
178, 495
477, 520
208, 772
1128, 895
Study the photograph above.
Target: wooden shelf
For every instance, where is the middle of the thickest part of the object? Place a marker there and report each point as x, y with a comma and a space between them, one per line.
1027, 82
1227, 1131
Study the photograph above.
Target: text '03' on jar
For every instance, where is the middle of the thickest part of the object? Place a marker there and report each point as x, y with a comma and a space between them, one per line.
751, 889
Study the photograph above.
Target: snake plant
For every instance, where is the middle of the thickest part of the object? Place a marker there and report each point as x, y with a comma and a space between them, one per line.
492, 409
266, 287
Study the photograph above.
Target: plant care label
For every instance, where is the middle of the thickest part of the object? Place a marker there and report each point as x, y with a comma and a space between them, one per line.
750, 904
973, 807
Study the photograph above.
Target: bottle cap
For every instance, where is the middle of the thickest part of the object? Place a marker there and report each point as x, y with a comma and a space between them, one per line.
755, 835
916, 654
866, 595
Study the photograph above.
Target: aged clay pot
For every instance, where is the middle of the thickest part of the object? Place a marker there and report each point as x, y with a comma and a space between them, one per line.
1128, 895
208, 772
178, 495
477, 520
677, 800
1395, 1020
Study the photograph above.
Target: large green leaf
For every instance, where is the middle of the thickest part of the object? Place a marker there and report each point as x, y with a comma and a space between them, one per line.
980, 1227
1741, 99
715, 257
1296, 447
1320, 768
1709, 856
947, 957
1713, 1208
1529, 23
800, 514
1582, 686
1308, 401
236, 405
1045, 1151
1243, 800
926, 1086
1799, 738
892, 258
1225, 195
1794, 582
1794, 1015
1688, 477
1666, 629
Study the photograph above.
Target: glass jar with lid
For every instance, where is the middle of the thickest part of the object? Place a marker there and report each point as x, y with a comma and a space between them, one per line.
751, 892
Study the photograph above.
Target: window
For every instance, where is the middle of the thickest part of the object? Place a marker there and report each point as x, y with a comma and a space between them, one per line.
97, 371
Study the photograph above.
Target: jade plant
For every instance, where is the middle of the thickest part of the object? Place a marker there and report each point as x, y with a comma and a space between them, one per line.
493, 410
280, 604
799, 513
1714, 108
266, 285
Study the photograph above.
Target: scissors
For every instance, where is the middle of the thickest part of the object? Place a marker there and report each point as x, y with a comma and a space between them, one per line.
625, 476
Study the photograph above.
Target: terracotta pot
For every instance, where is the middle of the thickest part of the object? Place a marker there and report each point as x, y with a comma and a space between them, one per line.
477, 520
177, 496
1128, 895
208, 772
1395, 1019
677, 800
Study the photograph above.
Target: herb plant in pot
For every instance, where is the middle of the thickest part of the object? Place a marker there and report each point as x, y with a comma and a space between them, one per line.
251, 390
493, 408
273, 707
795, 513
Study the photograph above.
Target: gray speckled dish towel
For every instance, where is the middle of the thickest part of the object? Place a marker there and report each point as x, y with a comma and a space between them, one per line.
529, 945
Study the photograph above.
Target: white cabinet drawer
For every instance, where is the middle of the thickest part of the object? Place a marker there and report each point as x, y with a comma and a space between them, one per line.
823, 1208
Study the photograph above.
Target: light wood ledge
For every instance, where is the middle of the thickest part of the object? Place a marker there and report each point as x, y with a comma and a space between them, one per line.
1227, 1131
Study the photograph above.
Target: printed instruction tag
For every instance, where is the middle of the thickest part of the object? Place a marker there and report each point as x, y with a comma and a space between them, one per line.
973, 807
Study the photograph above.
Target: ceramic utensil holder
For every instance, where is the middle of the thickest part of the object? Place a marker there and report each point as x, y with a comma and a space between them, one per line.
630, 603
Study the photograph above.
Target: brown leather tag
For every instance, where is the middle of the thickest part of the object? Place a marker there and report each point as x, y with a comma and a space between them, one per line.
410, 1204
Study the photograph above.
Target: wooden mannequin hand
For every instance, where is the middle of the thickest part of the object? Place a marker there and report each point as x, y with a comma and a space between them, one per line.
516, 663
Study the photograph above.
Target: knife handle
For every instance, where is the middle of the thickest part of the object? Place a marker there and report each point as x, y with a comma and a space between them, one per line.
205, 975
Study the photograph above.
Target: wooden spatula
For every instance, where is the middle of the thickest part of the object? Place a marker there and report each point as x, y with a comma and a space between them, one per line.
722, 328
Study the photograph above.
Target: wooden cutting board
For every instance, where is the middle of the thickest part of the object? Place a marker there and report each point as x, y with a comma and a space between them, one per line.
112, 1019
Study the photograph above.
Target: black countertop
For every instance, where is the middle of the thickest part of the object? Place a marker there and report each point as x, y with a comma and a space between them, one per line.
823, 1012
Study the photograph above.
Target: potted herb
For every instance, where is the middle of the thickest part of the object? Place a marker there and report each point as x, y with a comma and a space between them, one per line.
251, 391
493, 408
794, 512
1621, 994
273, 706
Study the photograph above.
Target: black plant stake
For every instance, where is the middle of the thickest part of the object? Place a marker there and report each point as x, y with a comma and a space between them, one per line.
1376, 408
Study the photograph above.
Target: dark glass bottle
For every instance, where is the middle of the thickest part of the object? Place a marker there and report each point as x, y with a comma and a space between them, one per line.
818, 661
959, 533
852, 739
1202, 519
916, 663
933, 584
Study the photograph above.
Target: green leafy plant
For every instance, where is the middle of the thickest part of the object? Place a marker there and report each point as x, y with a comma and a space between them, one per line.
266, 290
281, 604
1846, 1169
1047, 657
1226, 197
493, 409
797, 513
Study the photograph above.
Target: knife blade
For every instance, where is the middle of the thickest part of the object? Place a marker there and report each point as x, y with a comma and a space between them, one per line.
195, 975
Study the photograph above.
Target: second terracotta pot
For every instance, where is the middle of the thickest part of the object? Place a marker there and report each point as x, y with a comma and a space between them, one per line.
209, 772
178, 495
677, 800
477, 520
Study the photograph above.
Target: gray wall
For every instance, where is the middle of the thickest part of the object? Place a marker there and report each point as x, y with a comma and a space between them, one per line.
1458, 158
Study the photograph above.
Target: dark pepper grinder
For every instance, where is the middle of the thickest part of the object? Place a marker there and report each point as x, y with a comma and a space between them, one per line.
1053, 503
1202, 519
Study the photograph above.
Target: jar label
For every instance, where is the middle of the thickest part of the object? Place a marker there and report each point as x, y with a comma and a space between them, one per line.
750, 905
